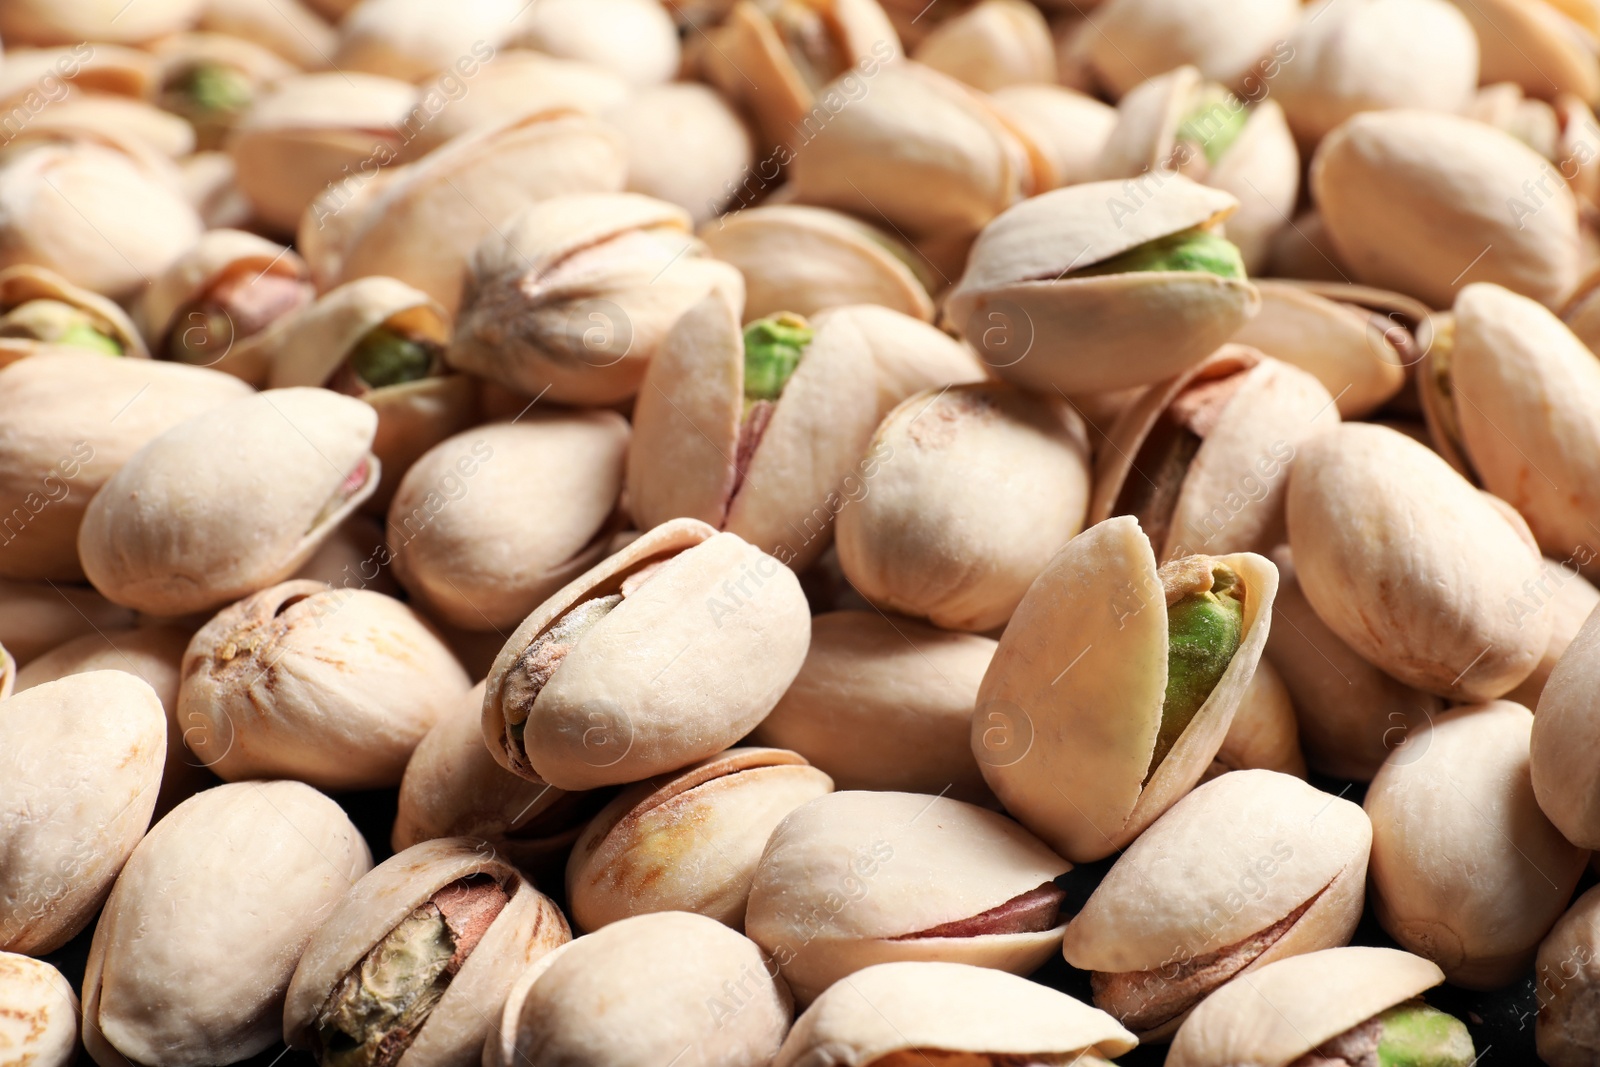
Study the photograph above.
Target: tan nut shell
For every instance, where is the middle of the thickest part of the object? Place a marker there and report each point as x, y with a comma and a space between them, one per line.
41, 1027
1566, 974
1536, 45
80, 764
24, 282
847, 876
1569, 599
690, 842
908, 355
991, 45
1132, 40
1410, 565
69, 420
1069, 709
411, 40
37, 616
681, 669
633, 38
1466, 870
1566, 738
227, 502
288, 27
686, 145
1263, 735
134, 127
918, 1006
1068, 128
44, 22
528, 927
1083, 335
1289, 1007
207, 920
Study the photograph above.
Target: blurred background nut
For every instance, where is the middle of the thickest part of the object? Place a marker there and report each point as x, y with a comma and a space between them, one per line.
1132, 40
37, 616
41, 1023
1068, 129
1566, 738
411, 40
1546, 48
1569, 599
1263, 734
1563, 131
1566, 974
686, 145
40, 311
633, 38
291, 28
80, 763
991, 45
45, 22
211, 79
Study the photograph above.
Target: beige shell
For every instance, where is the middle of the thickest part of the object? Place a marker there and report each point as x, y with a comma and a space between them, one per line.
1085, 657
1566, 738
978, 487
686, 145
852, 879
633, 38
229, 501
25, 282
210, 182
1536, 45
1263, 735
1466, 870
695, 656
207, 920
453, 1031
411, 40
139, 129
80, 763
908, 355
41, 1025
353, 557
1569, 599
37, 616
460, 536
8, 673
333, 687
72, 419
1305, 251
686, 423
46, 22
1449, 192
689, 842
1291, 1006
991, 45
1132, 40
1048, 332
1067, 128
288, 27
911, 1008
1566, 972
885, 703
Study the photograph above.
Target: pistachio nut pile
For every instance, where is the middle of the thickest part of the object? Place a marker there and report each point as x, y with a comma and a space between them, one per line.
799, 533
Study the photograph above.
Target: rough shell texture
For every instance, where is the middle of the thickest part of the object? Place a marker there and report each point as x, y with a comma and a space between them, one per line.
1567, 975
40, 1027
1566, 740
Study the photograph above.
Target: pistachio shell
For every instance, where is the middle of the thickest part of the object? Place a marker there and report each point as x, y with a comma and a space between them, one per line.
41, 1027
634, 38
207, 920
1536, 45
411, 40
686, 145
37, 616
1137, 39
81, 765
1466, 870
1263, 735
353, 557
909, 356
229, 501
1069, 128
8, 673
1566, 971
44, 22
1565, 738
288, 27
25, 282
991, 45
1305, 251
99, 68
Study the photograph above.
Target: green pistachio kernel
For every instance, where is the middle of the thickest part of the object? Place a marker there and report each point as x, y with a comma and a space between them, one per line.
1203, 633
388, 357
1214, 123
397, 984
208, 89
1414, 1035
772, 350
1187, 250
58, 323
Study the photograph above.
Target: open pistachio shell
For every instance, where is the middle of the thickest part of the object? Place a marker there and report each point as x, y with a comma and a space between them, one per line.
1566, 737
1086, 656
1569, 599
41, 1025
633, 38
1292, 1006
47, 22
210, 79
1133, 40
80, 763
411, 40
37, 616
1263, 735
663, 654
207, 920
1566, 975
1068, 128
688, 842
1466, 870
918, 1009
24, 283
856, 878
991, 45
686, 145
1538, 45
454, 912
1041, 327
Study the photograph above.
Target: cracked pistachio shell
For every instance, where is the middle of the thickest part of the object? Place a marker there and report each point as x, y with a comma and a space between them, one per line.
1227, 863
885, 703
229, 501
1566, 739
1538, 45
71, 419
1133, 40
37, 616
40, 1026
1567, 976
1427, 203
412, 40
24, 282
1091, 334
576, 294
633, 38
688, 842
1412, 567
1569, 599
686, 145
695, 655
687, 433
1466, 870
53, 22
911, 1008
460, 536
80, 764
1085, 656
290, 28
640, 992
194, 951
1067, 127
1246, 414
452, 1033
977, 486
1291, 1006
1263, 735
852, 879
1350, 714
808, 259
991, 45
333, 687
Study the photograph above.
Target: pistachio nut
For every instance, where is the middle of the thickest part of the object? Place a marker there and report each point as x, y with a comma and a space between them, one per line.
41, 311
290, 28
47, 22
1263, 735
640, 992
211, 79
37, 616
1566, 976
689, 841
633, 38
100, 69
591, 690
334, 687
885, 703
1563, 131
142, 131
1202, 460
210, 182
1565, 736
401, 971
930, 1011
256, 866
1454, 194
1547, 48
1569, 599
1466, 870
991, 45
1068, 128
760, 432
575, 295
354, 556
1150, 663
1249, 868
459, 536
1104, 285
856, 878
229, 501
969, 505
1133, 40
907, 354
809, 259
412, 40
41, 1024
1335, 1006
686, 145
80, 763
